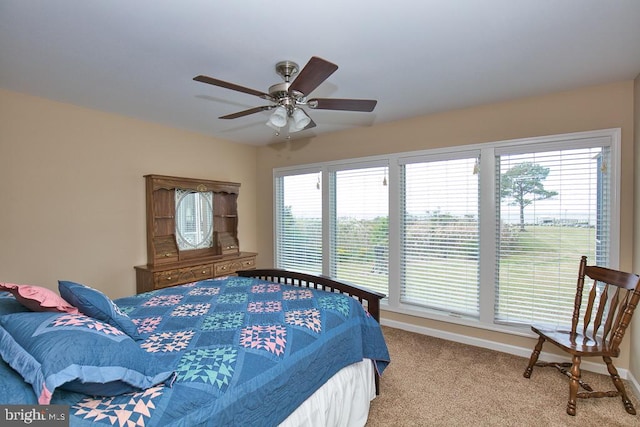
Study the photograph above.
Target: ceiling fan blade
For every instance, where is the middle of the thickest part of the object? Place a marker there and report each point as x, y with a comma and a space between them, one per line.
311, 124
247, 112
315, 72
232, 86
366, 105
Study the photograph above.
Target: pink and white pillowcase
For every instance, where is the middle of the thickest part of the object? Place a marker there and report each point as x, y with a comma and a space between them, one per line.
38, 298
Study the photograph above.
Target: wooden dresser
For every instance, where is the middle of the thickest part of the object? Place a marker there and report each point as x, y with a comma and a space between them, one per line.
149, 278
192, 232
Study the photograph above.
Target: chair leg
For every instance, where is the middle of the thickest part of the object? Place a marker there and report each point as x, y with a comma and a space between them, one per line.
613, 372
574, 383
534, 357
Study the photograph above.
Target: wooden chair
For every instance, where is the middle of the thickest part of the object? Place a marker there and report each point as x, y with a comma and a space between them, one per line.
613, 298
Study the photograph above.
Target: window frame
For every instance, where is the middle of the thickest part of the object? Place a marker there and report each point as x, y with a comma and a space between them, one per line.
509, 316
488, 216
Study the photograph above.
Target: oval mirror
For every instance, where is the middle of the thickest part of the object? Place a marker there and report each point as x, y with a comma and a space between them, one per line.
194, 219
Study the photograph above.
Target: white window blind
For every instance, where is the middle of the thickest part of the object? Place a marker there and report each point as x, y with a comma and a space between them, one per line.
360, 226
299, 222
440, 235
553, 207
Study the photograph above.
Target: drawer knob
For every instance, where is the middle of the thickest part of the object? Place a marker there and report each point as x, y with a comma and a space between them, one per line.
204, 271
168, 277
167, 254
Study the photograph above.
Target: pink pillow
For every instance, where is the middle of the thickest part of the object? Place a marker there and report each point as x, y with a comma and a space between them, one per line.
37, 298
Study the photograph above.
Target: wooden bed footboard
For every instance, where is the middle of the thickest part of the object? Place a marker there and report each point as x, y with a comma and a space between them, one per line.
370, 300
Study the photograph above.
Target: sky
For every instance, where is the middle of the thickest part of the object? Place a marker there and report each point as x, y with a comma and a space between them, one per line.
430, 187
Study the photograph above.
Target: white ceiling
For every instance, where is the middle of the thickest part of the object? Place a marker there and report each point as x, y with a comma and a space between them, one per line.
416, 57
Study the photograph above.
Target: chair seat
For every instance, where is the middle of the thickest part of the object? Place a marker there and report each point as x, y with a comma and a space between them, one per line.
576, 344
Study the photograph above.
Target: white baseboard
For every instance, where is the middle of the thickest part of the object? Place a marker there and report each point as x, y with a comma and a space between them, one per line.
509, 349
634, 384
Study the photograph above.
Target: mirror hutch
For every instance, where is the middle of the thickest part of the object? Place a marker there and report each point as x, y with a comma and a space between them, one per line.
192, 232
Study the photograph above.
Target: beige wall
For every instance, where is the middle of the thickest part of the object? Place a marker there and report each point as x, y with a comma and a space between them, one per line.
601, 107
634, 364
73, 194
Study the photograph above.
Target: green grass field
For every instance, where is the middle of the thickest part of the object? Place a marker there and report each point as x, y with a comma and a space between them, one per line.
546, 256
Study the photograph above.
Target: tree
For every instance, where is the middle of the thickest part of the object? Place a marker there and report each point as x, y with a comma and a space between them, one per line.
522, 180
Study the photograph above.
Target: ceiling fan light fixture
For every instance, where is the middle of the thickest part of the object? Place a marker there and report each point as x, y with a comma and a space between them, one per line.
299, 120
276, 128
279, 118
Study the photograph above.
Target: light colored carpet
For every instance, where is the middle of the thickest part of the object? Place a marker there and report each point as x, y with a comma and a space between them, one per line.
433, 382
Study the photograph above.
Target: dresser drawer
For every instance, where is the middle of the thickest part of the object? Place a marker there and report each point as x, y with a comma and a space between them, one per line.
229, 267
178, 276
199, 272
162, 279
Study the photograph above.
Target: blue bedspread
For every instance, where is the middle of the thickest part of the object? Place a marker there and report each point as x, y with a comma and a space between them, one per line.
246, 352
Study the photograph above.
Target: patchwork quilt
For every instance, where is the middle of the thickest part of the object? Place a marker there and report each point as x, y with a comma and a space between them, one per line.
245, 352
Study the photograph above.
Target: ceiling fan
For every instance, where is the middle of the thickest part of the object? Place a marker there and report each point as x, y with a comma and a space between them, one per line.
287, 98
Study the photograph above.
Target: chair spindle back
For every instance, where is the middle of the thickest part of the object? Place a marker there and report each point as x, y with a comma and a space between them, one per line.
618, 308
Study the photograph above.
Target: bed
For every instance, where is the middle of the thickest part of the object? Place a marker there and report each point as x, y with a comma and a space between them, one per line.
266, 347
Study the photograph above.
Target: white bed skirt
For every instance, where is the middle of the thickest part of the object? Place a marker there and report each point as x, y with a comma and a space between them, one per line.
341, 401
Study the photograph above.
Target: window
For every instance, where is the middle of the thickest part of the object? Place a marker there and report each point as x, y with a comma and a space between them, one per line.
299, 222
359, 251
440, 235
553, 206
488, 234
